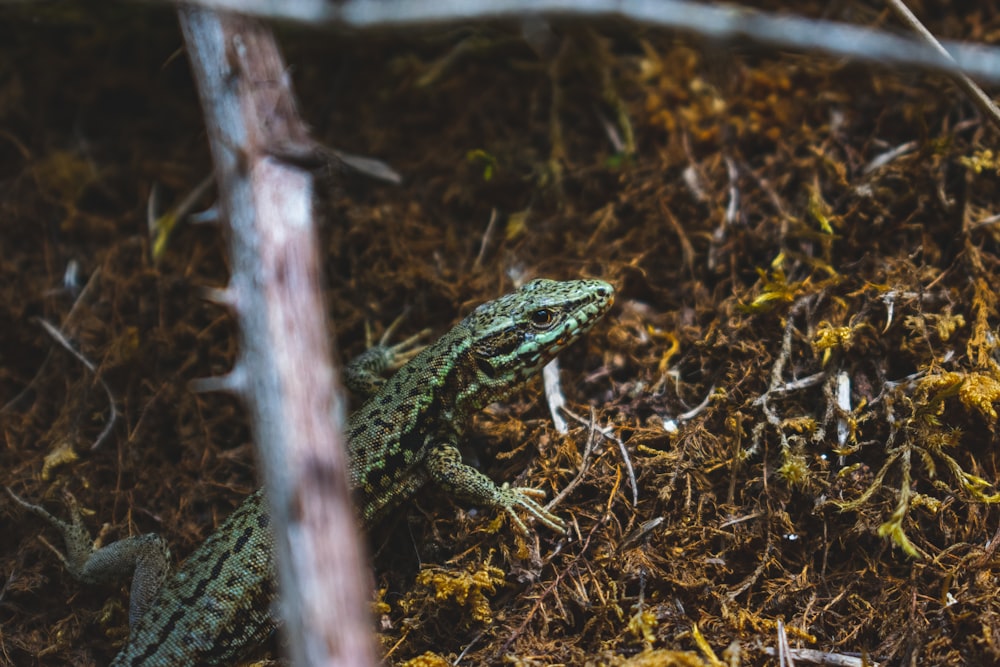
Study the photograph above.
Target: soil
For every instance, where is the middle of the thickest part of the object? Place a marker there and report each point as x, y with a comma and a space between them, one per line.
797, 387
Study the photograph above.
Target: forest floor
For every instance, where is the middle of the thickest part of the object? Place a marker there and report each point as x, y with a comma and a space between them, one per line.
799, 377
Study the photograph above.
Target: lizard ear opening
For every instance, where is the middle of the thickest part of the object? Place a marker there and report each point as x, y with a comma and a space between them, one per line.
485, 367
499, 346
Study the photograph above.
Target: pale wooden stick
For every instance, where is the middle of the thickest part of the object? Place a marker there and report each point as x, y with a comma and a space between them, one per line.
261, 150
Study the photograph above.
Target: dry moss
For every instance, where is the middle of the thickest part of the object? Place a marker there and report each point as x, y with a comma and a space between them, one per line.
803, 366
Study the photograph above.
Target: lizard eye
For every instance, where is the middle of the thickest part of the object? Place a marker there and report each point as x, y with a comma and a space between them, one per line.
541, 317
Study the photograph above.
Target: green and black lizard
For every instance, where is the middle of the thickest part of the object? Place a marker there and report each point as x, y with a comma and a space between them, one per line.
219, 603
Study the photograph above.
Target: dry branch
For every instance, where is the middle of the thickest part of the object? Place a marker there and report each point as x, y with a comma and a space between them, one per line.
284, 372
713, 21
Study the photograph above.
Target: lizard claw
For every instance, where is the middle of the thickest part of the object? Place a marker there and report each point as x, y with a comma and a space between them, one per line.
524, 497
400, 353
364, 375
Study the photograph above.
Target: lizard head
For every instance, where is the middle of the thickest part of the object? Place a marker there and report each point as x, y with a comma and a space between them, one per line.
519, 333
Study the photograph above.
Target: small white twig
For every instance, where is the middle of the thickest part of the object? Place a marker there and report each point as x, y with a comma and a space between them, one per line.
801, 383
733, 207
113, 416
784, 650
611, 130
554, 396
814, 657
888, 156
671, 424
487, 235
843, 386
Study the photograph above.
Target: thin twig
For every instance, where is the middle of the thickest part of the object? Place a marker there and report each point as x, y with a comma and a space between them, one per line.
672, 424
113, 417
716, 22
975, 93
784, 650
812, 656
608, 433
487, 235
588, 453
551, 588
74, 311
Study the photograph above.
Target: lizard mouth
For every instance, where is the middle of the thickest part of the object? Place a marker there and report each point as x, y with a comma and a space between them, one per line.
589, 313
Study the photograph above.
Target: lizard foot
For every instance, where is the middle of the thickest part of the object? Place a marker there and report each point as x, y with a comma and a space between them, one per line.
147, 556
398, 354
74, 533
525, 498
364, 374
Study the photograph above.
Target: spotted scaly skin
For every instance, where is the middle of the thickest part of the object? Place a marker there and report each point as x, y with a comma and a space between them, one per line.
220, 601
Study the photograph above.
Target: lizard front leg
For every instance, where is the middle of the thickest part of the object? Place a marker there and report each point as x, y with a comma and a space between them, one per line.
444, 464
